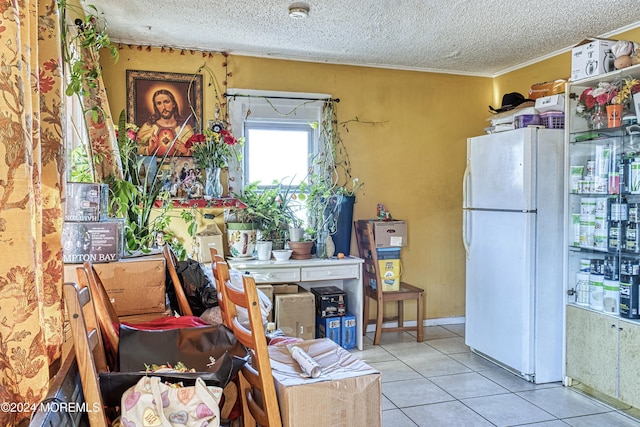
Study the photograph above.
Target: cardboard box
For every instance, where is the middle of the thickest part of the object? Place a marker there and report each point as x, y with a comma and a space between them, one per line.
329, 327
134, 285
591, 58
539, 90
285, 288
390, 233
330, 301
209, 237
294, 314
86, 202
91, 241
347, 393
390, 273
348, 331
550, 103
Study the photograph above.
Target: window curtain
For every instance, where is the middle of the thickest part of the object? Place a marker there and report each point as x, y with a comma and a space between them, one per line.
31, 185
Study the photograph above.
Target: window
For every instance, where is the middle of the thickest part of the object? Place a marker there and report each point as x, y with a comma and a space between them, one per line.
276, 151
279, 138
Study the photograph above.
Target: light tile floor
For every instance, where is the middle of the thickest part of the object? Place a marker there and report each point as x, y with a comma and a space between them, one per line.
440, 382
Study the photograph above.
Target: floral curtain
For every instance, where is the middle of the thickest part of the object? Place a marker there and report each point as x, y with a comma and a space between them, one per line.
31, 177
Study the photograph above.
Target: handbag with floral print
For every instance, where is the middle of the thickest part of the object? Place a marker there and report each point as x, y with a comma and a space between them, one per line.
151, 402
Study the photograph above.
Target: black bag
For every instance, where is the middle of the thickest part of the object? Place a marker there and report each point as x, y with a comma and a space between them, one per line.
201, 293
192, 346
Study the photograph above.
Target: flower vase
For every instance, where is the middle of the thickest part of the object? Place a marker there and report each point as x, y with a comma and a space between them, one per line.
599, 117
614, 115
212, 185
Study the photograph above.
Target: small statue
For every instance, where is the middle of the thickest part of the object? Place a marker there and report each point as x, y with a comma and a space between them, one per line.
383, 214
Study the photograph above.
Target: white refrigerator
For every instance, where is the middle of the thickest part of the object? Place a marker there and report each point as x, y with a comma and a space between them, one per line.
513, 237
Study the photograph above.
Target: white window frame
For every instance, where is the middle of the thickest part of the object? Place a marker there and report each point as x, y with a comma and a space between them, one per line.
257, 106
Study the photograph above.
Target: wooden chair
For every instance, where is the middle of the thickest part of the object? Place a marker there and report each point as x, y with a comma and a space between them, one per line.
221, 274
371, 274
89, 348
103, 317
103, 311
257, 388
172, 265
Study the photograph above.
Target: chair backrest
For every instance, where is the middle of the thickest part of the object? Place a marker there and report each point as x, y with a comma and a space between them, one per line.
104, 311
262, 406
89, 348
367, 251
172, 265
220, 271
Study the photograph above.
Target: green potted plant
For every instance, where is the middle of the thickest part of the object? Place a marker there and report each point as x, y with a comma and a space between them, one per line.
271, 211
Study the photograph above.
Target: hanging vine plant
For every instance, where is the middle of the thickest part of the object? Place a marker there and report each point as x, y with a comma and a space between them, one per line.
81, 42
331, 176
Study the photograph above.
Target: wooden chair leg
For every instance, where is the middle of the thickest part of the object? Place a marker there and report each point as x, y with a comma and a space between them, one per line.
419, 318
365, 315
400, 314
247, 419
379, 317
230, 397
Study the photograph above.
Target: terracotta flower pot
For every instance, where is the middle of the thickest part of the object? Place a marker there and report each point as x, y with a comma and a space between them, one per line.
301, 250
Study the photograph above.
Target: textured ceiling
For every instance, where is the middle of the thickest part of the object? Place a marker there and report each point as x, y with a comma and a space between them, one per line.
475, 37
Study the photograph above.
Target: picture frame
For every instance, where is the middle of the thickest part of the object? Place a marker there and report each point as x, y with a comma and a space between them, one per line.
164, 105
186, 179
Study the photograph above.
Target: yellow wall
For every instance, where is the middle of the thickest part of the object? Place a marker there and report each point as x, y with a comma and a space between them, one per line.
412, 160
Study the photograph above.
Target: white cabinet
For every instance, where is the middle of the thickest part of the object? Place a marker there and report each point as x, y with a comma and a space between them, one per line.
344, 273
602, 261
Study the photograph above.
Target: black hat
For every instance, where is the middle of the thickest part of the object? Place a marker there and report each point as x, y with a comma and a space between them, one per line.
509, 102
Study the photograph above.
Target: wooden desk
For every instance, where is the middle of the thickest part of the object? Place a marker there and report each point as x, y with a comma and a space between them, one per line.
344, 273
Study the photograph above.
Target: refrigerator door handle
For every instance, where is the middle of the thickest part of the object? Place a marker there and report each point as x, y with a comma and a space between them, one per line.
465, 204
465, 186
465, 237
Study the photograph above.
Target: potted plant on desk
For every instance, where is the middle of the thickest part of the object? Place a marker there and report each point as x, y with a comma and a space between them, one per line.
268, 212
302, 249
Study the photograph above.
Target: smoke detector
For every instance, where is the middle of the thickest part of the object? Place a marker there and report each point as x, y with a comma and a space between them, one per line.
298, 10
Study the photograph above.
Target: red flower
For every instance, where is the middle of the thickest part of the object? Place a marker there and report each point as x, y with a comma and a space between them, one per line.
606, 98
228, 138
194, 139
587, 99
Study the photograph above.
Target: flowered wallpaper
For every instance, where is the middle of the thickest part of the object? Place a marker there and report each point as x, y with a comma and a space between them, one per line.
31, 177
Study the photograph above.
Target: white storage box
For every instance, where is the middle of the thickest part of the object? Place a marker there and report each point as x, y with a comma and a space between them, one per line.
550, 103
590, 59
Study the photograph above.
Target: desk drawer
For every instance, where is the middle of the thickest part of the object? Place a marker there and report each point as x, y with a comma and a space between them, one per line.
274, 275
330, 272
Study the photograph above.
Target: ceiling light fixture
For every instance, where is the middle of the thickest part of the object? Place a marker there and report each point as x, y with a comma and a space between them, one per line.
298, 10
